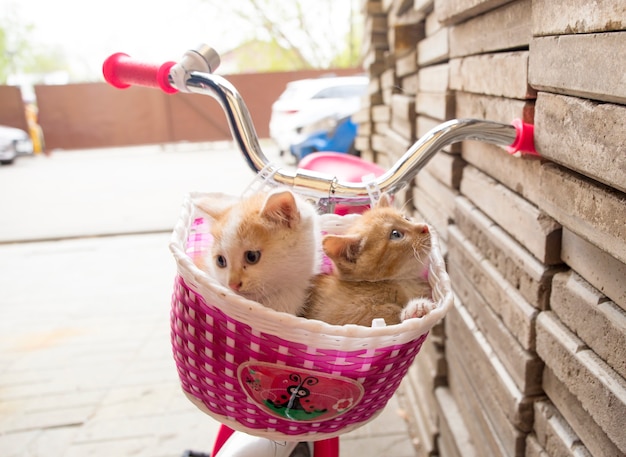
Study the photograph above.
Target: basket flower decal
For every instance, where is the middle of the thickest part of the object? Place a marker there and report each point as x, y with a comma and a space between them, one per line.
297, 394
344, 404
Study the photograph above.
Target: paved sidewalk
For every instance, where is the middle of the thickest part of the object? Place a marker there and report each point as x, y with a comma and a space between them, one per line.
85, 361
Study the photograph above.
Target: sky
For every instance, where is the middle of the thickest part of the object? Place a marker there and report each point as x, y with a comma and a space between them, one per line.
91, 30
88, 31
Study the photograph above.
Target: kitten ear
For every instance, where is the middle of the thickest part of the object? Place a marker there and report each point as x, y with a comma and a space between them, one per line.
384, 201
347, 247
281, 207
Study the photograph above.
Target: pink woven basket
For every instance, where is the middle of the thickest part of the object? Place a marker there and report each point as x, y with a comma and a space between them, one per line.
276, 375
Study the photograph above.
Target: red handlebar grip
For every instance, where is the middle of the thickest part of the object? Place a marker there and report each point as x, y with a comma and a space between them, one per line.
121, 71
525, 140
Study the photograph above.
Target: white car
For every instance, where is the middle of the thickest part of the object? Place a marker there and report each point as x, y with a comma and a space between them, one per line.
308, 101
13, 142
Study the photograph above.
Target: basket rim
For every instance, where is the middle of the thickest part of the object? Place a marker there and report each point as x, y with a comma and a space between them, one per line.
255, 312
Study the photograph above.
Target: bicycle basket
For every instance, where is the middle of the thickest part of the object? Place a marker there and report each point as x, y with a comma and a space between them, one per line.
279, 376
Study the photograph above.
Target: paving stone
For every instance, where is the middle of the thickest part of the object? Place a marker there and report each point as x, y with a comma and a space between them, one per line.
507, 27
554, 434
406, 64
380, 436
580, 16
447, 168
48, 411
590, 433
374, 56
433, 354
496, 385
455, 439
425, 124
585, 136
371, 7
596, 266
363, 115
473, 411
498, 109
424, 6
590, 215
432, 24
404, 37
519, 175
502, 437
367, 153
586, 312
600, 390
431, 212
524, 367
501, 74
396, 143
379, 145
409, 84
364, 130
596, 214
402, 12
35, 443
530, 226
529, 276
136, 446
533, 448
403, 116
388, 79
420, 407
454, 11
435, 78
376, 23
434, 48
516, 313
561, 64
437, 105
442, 195
381, 113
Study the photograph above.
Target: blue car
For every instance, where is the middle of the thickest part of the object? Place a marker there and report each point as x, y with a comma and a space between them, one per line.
340, 138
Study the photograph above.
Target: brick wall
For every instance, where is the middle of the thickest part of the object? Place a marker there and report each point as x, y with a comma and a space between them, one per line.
531, 361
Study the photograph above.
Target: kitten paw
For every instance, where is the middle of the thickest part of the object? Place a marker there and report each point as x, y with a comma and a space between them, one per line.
417, 307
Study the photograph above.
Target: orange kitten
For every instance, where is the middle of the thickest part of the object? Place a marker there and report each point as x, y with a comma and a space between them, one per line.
379, 270
265, 247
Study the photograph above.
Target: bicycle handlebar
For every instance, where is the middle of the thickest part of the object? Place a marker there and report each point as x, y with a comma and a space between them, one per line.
194, 74
122, 71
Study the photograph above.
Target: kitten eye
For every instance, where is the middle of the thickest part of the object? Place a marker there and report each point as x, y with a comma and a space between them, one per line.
396, 235
252, 257
220, 261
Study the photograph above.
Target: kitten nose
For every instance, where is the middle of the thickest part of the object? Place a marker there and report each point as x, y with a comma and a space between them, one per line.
235, 286
425, 229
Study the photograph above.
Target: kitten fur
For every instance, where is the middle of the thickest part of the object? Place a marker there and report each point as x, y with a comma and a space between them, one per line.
265, 247
379, 266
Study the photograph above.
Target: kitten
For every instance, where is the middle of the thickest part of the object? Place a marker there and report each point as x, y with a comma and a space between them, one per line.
265, 247
379, 270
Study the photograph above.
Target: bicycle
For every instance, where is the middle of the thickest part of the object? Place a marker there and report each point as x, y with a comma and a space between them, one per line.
226, 375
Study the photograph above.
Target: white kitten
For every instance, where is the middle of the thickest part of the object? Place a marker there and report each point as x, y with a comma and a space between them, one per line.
265, 248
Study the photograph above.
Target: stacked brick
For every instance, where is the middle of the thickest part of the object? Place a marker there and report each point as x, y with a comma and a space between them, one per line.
531, 359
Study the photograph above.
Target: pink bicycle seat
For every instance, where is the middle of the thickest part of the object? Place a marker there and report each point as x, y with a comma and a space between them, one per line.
344, 167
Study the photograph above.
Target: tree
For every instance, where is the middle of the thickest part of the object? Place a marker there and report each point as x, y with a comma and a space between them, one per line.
18, 53
309, 33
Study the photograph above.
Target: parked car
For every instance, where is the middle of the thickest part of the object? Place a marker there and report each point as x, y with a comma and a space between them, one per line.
336, 136
306, 102
13, 142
